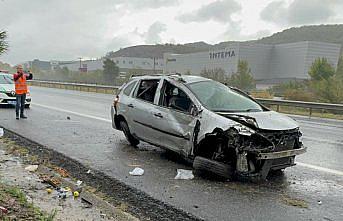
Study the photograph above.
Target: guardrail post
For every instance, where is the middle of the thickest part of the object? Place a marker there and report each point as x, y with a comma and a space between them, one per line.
310, 111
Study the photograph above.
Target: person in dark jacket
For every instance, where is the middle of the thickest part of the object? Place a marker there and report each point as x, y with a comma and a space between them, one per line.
21, 90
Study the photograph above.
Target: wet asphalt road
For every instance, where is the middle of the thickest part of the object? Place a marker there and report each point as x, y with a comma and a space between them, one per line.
89, 138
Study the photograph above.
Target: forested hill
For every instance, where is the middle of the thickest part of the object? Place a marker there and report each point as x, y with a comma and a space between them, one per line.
324, 33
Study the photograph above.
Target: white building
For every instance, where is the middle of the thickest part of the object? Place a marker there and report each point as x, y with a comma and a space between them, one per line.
269, 64
124, 63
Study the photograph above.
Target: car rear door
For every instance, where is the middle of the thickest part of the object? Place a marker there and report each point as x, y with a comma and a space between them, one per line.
142, 107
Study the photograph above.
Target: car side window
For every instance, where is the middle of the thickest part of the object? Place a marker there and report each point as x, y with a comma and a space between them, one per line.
128, 89
175, 98
147, 89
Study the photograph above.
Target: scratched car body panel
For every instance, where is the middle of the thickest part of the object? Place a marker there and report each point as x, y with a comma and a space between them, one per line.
221, 129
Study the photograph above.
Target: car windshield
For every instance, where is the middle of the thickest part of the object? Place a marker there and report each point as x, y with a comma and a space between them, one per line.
5, 79
218, 97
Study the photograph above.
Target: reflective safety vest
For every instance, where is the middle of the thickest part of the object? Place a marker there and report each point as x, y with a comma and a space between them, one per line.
20, 85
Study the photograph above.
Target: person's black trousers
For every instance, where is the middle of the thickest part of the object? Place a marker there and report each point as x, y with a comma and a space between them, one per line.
20, 98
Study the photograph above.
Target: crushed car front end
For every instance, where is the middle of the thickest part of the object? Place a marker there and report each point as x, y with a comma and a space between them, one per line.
249, 149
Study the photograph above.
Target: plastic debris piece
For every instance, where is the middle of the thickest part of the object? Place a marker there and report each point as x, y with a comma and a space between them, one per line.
137, 172
62, 172
31, 168
320, 202
88, 171
1, 132
87, 203
76, 194
3, 210
63, 193
67, 189
49, 190
102, 215
78, 183
184, 174
68, 118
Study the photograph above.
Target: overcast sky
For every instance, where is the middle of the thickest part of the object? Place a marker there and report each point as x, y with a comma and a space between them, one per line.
68, 29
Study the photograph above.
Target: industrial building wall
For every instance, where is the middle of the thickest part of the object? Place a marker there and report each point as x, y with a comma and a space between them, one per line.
319, 50
288, 61
182, 63
258, 57
139, 63
92, 65
226, 59
122, 63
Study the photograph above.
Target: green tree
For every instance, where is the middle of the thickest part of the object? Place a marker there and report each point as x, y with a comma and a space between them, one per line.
321, 69
243, 79
3, 42
328, 90
217, 74
111, 71
339, 71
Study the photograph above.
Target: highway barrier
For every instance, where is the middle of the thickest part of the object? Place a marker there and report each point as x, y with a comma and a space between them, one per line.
311, 106
75, 86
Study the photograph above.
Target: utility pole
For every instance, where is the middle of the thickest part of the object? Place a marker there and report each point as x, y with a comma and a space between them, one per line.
80, 63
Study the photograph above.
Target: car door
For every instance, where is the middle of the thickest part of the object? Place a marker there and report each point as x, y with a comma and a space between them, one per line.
125, 102
142, 107
174, 122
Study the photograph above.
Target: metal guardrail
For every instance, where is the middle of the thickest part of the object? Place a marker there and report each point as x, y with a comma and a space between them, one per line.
310, 105
97, 88
75, 86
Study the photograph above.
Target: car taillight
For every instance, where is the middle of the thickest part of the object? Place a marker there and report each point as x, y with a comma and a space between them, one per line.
116, 100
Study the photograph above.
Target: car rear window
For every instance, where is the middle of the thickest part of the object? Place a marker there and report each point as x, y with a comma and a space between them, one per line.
128, 88
147, 89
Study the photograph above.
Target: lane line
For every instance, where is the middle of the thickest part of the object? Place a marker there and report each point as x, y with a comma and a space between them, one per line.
72, 112
321, 124
322, 140
323, 169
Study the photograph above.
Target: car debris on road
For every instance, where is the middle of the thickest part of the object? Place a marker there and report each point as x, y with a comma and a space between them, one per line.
184, 174
137, 172
31, 168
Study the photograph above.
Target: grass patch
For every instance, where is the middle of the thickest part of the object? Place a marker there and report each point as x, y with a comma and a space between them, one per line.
15, 201
294, 202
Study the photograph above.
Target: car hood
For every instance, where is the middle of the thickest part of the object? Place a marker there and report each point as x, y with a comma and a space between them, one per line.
266, 120
6, 87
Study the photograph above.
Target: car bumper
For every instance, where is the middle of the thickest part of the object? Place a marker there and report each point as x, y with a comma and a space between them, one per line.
281, 154
11, 101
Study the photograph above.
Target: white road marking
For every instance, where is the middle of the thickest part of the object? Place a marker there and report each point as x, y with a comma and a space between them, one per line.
72, 112
323, 169
322, 140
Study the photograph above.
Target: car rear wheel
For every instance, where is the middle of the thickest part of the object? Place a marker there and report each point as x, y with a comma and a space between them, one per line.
207, 165
125, 128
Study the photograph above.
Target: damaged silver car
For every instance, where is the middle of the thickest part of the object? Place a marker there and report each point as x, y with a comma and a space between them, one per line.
223, 130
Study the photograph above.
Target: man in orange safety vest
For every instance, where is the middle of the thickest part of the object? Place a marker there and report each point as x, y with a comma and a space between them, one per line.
21, 89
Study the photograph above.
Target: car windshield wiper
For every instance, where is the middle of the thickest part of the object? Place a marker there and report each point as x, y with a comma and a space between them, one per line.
229, 111
253, 110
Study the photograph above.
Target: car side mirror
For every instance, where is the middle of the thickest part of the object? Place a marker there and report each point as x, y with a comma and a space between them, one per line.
195, 111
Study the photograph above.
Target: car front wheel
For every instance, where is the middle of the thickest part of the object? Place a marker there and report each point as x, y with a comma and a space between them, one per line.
125, 128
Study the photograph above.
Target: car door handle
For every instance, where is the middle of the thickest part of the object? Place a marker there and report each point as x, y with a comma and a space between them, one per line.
130, 105
158, 115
